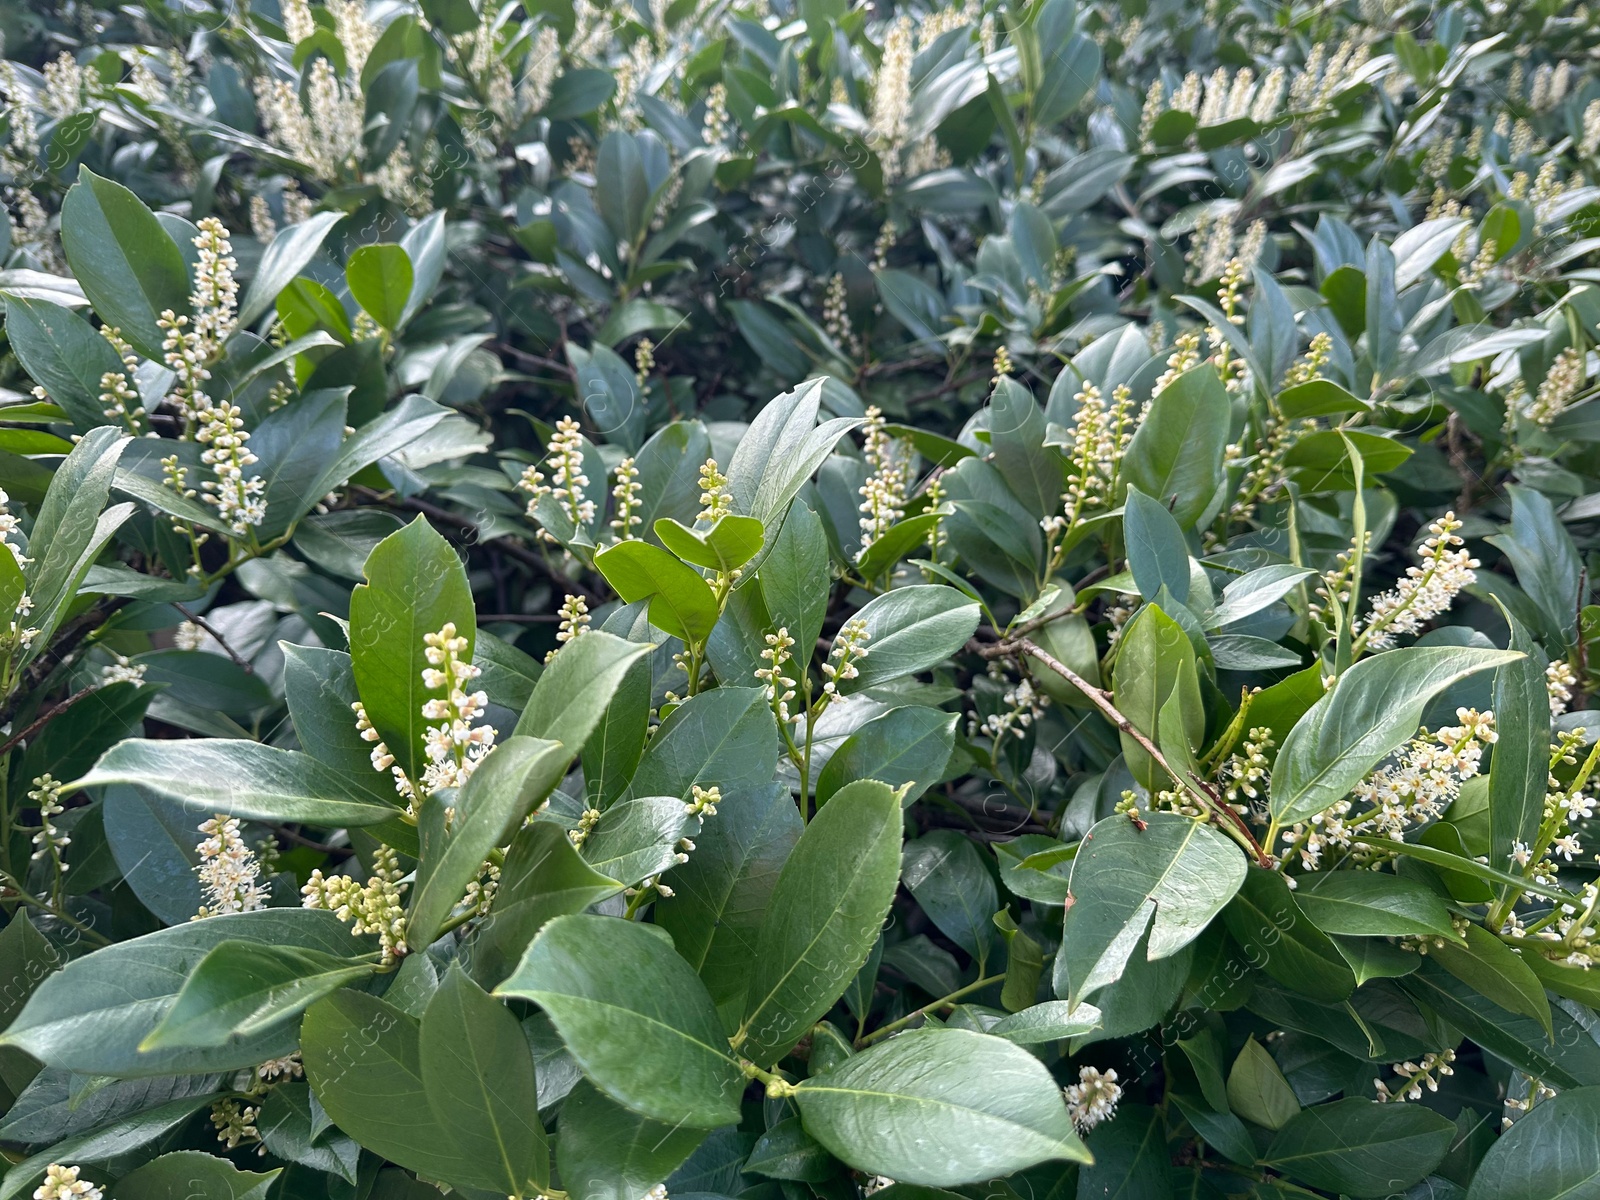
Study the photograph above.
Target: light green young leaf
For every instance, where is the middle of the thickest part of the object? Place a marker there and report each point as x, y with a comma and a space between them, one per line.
681, 602
380, 278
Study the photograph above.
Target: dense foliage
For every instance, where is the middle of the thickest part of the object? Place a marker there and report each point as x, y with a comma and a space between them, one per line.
778, 600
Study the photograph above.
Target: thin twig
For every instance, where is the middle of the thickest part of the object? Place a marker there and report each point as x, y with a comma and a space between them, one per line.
16, 739
195, 618
1103, 702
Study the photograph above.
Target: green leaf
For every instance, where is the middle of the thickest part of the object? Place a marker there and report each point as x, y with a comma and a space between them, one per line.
779, 452
940, 1107
415, 586
1570, 1059
720, 896
106, 1144
911, 629
191, 1173
363, 1058
1249, 594
1157, 553
1035, 473
63, 353
911, 744
1257, 1090
1550, 1151
681, 602
791, 572
380, 278
289, 252
726, 546
1155, 666
242, 779
952, 885
1373, 709
1318, 398
1519, 766
124, 259
1495, 972
726, 737
1172, 877
623, 191
609, 1153
490, 807
241, 990
1176, 454
638, 837
1361, 1148
72, 525
1047, 1022
1364, 904
477, 1070
92, 1016
787, 1151
824, 917
635, 1016
1547, 563
576, 687
1265, 919
543, 877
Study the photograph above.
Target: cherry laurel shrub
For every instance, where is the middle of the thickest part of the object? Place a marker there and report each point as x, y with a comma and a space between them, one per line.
782, 600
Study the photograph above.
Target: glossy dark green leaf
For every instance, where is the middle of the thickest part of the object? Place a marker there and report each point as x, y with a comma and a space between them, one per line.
1155, 666
911, 629
789, 576
1550, 1151
1279, 939
720, 895
1157, 554
726, 737
1176, 454
1050, 1021
124, 259
63, 354
490, 807
106, 1144
607, 1152
1033, 471
192, 1173
92, 1016
289, 252
635, 1016
415, 585
1360, 1147
363, 1059
823, 918
1373, 710
1495, 972
911, 744
940, 1107
946, 874
243, 779
1547, 563
1519, 766
1365, 904
477, 1070
241, 990
1172, 877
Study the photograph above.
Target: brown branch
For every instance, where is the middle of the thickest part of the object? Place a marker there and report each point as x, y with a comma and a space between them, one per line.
196, 619
17, 739
1103, 702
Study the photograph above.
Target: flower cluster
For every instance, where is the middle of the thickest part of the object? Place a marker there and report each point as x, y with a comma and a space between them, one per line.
122, 669
891, 95
1023, 706
704, 801
375, 907
18, 635
1100, 437
119, 398
1413, 788
229, 871
1093, 1099
626, 496
574, 622
836, 315
849, 648
716, 501
51, 841
455, 745
1559, 680
235, 1123
1427, 589
1413, 1077
240, 501
567, 479
1561, 383
1244, 776
62, 1183
884, 493
780, 688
